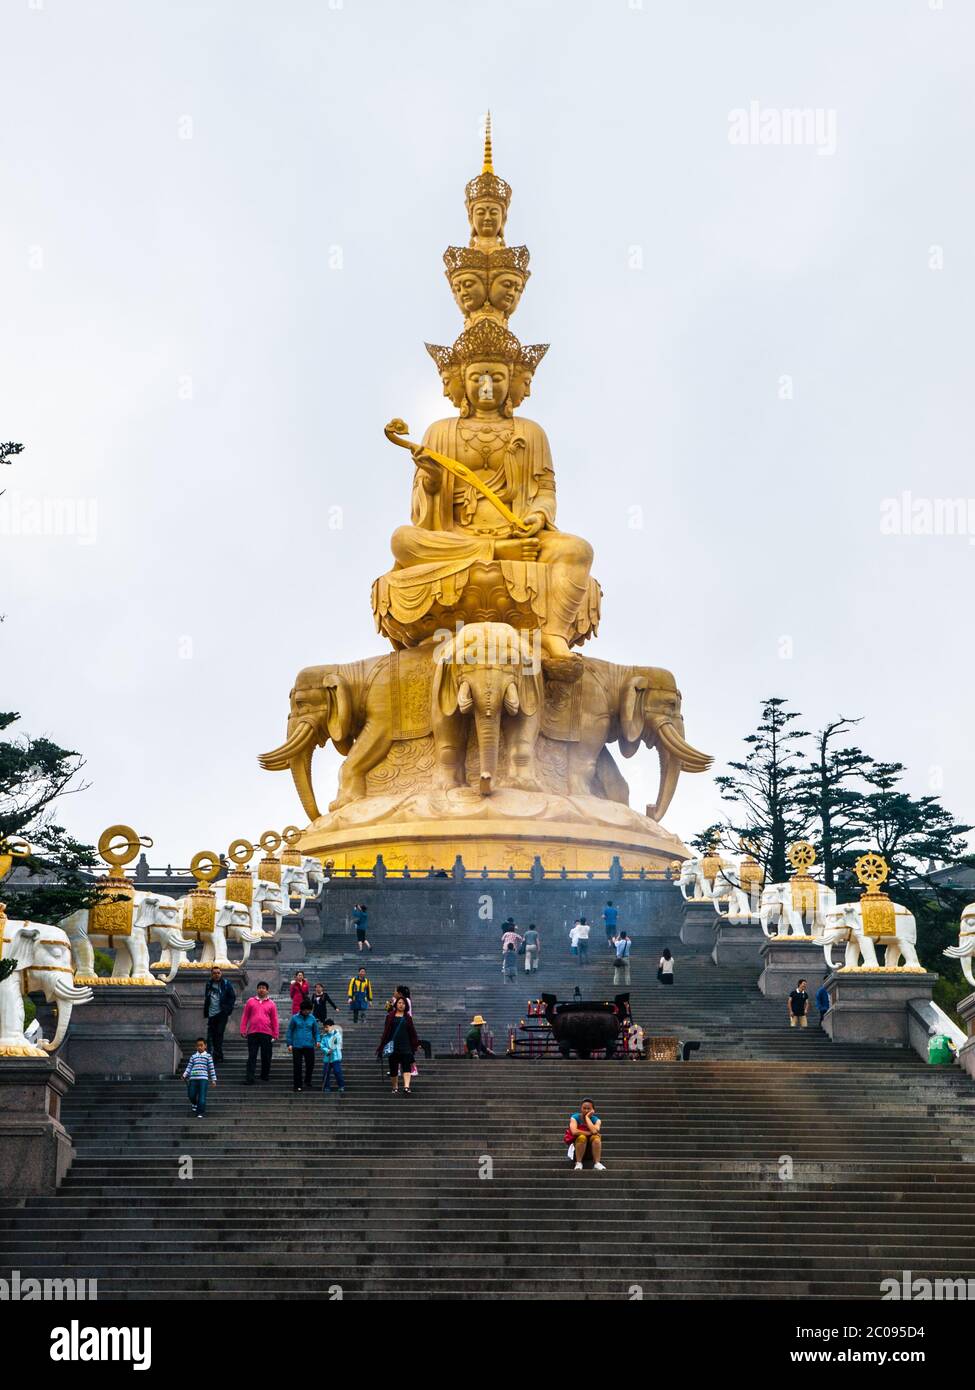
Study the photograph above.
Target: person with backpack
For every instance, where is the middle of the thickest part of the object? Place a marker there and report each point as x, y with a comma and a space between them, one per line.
399, 1045
360, 920
302, 1039
331, 1044
360, 994
621, 964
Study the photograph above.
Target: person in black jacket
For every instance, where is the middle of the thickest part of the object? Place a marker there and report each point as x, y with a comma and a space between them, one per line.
219, 999
399, 1037
320, 1002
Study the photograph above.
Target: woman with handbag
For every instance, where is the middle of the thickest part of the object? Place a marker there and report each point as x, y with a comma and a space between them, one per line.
399, 1044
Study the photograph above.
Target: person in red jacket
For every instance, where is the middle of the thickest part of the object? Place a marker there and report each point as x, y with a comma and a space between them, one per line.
298, 990
259, 1025
399, 1043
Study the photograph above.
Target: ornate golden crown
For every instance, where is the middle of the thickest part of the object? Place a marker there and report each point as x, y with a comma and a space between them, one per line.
509, 258
486, 341
531, 354
457, 258
487, 184
442, 356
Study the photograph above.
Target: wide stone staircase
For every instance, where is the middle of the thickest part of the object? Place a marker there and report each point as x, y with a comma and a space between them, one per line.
773, 1164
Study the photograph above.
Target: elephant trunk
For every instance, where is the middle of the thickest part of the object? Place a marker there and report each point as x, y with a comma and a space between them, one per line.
177, 945
964, 954
487, 722
66, 996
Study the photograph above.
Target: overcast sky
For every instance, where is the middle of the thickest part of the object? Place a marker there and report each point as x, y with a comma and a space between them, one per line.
221, 248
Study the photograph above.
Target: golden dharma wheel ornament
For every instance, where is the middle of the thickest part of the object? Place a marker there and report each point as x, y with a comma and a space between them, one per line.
200, 913
240, 880
802, 856
269, 869
291, 853
112, 914
876, 909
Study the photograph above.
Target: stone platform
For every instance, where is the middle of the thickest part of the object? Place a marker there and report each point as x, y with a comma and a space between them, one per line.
126, 1030
786, 960
35, 1148
698, 923
870, 1006
737, 943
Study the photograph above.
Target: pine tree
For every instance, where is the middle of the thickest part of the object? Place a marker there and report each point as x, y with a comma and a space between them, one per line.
770, 811
831, 798
34, 774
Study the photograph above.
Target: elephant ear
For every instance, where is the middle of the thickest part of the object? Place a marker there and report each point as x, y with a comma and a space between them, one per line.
631, 712
444, 691
22, 947
338, 711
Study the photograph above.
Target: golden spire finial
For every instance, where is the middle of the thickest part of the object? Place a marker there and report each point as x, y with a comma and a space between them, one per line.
488, 155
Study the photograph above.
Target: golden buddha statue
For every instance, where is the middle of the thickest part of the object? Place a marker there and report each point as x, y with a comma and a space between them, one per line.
483, 733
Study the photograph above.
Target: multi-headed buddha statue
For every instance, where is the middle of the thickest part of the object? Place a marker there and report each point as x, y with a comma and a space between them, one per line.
483, 733
532, 573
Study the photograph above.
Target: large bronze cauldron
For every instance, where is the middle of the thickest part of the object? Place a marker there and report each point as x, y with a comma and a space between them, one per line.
586, 1025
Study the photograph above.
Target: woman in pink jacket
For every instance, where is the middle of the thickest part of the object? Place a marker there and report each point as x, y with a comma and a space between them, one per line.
299, 990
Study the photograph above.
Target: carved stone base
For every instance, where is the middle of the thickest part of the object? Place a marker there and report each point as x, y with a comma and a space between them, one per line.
126, 1030
698, 925
870, 1006
966, 1054
35, 1148
737, 943
787, 959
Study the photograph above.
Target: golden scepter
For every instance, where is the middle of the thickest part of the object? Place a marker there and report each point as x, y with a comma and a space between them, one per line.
395, 432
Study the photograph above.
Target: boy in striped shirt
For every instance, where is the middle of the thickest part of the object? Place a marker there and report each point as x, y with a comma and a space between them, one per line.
199, 1072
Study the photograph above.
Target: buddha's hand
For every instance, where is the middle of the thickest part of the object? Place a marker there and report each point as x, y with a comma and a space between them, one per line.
429, 467
533, 523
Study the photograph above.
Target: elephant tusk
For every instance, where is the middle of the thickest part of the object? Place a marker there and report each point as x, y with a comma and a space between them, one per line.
670, 770
279, 758
691, 759
301, 774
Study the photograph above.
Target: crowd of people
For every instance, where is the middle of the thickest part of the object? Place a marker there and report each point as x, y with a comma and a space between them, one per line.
310, 1029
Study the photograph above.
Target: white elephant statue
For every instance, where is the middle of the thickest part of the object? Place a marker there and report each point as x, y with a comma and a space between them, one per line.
777, 910
154, 918
42, 961
694, 885
231, 921
729, 888
966, 943
268, 897
844, 924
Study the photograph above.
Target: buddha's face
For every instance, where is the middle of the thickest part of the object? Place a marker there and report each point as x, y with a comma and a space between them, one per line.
469, 291
453, 385
487, 218
506, 291
521, 385
486, 384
